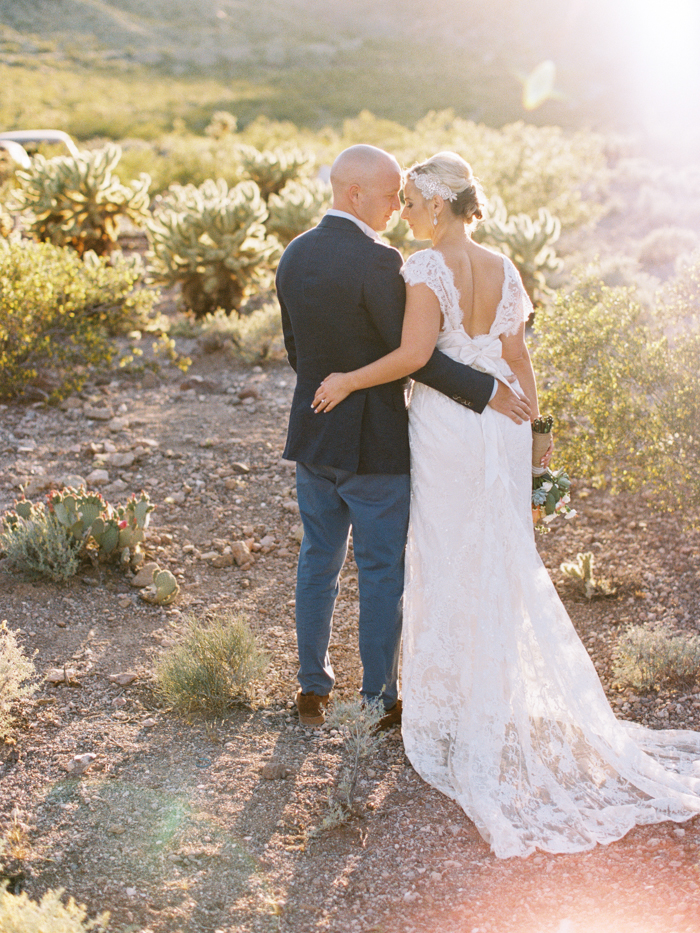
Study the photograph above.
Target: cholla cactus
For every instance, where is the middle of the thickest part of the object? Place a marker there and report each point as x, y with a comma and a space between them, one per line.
527, 242
298, 206
77, 200
271, 169
212, 241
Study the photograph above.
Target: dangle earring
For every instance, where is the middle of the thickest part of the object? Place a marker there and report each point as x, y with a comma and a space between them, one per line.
435, 220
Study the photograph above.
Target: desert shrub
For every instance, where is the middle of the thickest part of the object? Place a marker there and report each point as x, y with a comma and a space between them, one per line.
356, 721
600, 369
528, 166
660, 249
213, 667
20, 914
298, 207
624, 394
53, 538
648, 655
77, 201
58, 311
185, 159
212, 241
252, 337
16, 672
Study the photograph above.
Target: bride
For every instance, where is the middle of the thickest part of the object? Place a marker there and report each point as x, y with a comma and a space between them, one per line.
502, 708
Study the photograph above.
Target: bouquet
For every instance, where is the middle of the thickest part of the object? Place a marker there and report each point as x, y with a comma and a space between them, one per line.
550, 496
550, 488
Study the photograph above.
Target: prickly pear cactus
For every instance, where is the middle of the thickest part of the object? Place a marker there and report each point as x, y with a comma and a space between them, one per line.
212, 241
163, 590
78, 200
299, 206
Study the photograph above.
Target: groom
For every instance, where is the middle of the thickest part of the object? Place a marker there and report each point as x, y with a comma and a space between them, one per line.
342, 300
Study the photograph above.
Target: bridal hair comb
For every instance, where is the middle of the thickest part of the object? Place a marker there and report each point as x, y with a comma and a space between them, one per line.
429, 186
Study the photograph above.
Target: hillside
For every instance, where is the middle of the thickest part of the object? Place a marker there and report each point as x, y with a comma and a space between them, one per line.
319, 61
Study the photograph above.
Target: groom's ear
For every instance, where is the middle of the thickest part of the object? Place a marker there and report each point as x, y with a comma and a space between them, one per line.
354, 192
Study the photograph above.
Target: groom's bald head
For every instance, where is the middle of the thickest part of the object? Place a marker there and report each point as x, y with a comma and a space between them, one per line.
366, 183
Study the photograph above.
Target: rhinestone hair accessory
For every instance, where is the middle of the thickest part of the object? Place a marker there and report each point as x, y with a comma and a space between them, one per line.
429, 186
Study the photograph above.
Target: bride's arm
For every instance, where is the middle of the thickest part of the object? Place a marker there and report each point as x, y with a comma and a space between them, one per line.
421, 326
516, 354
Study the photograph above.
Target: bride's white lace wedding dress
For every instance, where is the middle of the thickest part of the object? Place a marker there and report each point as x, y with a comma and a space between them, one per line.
502, 708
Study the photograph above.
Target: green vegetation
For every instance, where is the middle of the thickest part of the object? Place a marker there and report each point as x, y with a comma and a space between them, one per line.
648, 656
20, 914
214, 667
73, 526
78, 201
212, 241
16, 674
58, 312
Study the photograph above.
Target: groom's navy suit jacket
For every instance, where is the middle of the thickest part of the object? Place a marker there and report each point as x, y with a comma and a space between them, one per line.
342, 299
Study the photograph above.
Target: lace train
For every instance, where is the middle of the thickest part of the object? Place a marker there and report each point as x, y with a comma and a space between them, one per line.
503, 709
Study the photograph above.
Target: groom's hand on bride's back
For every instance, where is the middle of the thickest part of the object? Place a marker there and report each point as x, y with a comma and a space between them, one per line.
511, 404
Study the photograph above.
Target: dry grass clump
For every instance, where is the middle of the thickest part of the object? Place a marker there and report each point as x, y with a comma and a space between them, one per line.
15, 672
648, 655
20, 914
213, 668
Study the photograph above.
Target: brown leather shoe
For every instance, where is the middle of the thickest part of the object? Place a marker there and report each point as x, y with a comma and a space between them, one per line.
311, 708
392, 717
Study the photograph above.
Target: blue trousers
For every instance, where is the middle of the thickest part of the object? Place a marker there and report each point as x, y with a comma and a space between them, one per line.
331, 501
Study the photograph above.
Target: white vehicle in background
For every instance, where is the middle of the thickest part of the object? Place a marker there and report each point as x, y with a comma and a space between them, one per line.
20, 145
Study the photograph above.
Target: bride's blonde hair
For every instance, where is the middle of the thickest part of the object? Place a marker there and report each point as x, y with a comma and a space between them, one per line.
452, 170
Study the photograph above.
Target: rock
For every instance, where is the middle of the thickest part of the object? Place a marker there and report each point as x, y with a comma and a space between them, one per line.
251, 392
74, 480
70, 404
200, 385
62, 675
118, 424
239, 467
150, 380
116, 829
145, 575
79, 763
148, 723
275, 771
291, 505
222, 560
298, 533
98, 414
241, 553
124, 459
97, 478
118, 702
267, 541
36, 485
124, 679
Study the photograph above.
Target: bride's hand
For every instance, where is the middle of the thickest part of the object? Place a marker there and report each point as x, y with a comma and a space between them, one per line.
331, 392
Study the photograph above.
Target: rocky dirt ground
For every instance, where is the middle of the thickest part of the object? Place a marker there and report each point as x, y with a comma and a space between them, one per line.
177, 825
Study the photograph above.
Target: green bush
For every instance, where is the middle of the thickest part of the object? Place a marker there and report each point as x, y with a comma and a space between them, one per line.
58, 311
77, 201
622, 385
252, 337
16, 672
213, 667
649, 655
212, 241
20, 914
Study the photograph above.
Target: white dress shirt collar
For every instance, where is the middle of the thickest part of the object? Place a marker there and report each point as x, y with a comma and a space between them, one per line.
356, 220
